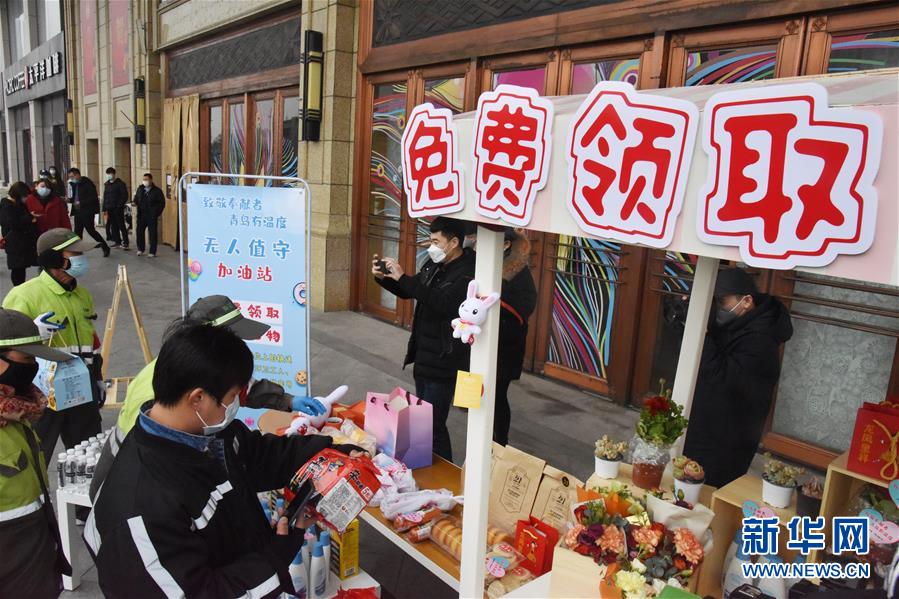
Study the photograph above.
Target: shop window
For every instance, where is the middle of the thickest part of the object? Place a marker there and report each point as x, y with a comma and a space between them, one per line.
863, 51
237, 139
264, 159
585, 75
533, 78
215, 141
290, 134
752, 63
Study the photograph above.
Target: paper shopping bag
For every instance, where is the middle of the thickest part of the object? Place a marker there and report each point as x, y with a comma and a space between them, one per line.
402, 425
536, 540
875, 442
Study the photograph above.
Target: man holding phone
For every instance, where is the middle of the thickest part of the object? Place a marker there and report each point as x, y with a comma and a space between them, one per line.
178, 513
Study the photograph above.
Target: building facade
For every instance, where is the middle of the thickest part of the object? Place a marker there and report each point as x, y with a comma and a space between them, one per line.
33, 132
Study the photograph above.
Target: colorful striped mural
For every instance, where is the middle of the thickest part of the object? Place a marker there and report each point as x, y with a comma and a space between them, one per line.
863, 51
388, 122
753, 63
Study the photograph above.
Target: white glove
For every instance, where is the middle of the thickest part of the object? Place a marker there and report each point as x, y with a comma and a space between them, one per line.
47, 328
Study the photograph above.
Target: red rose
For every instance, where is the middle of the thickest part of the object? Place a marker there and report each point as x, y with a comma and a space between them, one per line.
656, 404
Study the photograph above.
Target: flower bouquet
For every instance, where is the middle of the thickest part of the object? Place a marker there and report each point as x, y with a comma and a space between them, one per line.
661, 423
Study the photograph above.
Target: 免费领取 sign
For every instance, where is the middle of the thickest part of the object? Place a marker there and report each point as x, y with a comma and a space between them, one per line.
47, 67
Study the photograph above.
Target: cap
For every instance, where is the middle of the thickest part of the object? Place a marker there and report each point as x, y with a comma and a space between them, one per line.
735, 281
62, 239
19, 332
220, 311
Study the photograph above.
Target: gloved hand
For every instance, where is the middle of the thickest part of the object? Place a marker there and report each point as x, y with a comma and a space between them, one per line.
45, 327
307, 405
101, 393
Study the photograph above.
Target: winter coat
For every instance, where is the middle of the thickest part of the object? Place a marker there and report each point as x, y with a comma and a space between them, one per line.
115, 195
738, 371
437, 289
174, 521
84, 198
53, 213
519, 299
58, 187
17, 228
150, 202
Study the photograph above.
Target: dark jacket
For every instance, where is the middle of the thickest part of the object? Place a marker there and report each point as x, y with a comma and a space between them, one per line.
173, 521
437, 289
17, 228
739, 368
519, 299
84, 198
52, 212
115, 195
58, 187
150, 202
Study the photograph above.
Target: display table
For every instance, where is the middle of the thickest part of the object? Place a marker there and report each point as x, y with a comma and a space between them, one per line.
68, 499
440, 475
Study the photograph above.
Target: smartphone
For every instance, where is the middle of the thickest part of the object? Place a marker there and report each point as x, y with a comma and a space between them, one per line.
382, 267
305, 495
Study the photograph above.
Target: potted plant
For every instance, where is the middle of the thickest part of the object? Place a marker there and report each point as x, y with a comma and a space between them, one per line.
808, 502
661, 423
778, 482
607, 457
688, 479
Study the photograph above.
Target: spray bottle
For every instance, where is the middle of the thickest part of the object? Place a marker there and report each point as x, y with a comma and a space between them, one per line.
299, 576
318, 581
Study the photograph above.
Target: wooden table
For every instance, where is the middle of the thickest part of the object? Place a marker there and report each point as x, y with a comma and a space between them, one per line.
440, 475
624, 477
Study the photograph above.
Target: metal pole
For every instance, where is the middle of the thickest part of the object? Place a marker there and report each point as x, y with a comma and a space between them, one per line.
701, 296
478, 445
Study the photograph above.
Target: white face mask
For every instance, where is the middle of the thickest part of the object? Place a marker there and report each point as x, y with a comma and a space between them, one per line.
230, 415
43, 192
436, 253
147, 184
109, 177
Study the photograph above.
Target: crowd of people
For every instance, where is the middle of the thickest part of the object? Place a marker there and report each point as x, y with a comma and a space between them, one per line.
48, 203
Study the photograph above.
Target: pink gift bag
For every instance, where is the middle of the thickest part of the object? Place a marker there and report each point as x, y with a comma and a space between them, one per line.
402, 425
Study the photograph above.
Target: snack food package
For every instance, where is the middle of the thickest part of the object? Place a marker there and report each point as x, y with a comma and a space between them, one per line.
446, 533
555, 496
497, 535
394, 505
404, 522
514, 578
420, 533
346, 485
500, 559
359, 437
345, 551
513, 487
397, 471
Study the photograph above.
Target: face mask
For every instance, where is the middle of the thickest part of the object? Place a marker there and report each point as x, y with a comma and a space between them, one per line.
74, 181
18, 376
43, 192
147, 184
436, 254
78, 266
470, 242
230, 415
109, 177
722, 317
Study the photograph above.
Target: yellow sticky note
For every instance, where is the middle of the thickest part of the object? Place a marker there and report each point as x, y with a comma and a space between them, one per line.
469, 388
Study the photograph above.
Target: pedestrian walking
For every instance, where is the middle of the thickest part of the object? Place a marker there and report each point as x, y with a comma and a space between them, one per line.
150, 203
50, 210
115, 196
19, 232
33, 559
85, 207
438, 288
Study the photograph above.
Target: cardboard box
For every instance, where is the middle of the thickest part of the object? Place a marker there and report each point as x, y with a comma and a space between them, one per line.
66, 384
513, 487
555, 496
345, 551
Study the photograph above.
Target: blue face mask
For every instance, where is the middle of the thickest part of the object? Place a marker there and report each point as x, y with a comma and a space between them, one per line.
78, 266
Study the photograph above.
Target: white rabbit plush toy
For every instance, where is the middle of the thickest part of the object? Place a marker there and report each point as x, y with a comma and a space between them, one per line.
472, 314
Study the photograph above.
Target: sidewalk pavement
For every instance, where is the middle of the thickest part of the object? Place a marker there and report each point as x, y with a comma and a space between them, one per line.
549, 419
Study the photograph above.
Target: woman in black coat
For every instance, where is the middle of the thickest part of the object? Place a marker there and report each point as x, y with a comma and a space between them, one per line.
17, 225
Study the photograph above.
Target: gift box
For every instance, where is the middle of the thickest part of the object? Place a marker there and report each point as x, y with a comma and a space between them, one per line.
346, 485
66, 384
402, 425
874, 451
536, 540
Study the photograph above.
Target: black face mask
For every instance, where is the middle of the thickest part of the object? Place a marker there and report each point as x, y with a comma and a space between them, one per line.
18, 376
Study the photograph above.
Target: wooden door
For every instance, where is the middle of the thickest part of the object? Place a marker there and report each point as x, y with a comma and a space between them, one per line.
171, 159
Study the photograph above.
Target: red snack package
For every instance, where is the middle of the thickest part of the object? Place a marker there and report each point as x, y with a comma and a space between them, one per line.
346, 485
420, 533
404, 522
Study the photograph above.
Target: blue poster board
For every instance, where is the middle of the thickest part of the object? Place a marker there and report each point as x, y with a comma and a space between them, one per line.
250, 244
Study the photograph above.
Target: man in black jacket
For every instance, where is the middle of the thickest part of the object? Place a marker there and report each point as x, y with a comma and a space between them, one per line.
85, 207
178, 514
115, 196
738, 371
150, 203
438, 289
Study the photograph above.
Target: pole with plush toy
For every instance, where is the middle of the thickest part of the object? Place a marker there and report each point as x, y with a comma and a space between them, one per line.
301, 423
472, 314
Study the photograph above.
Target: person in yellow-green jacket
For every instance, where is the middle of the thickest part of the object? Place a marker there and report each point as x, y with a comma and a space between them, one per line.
65, 312
33, 560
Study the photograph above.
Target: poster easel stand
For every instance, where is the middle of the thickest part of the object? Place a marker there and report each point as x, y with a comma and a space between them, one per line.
122, 284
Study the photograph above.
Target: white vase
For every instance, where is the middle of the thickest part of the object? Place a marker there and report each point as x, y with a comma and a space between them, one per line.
691, 490
775, 495
607, 469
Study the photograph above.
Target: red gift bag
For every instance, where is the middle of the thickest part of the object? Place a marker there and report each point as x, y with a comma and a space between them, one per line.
536, 540
875, 441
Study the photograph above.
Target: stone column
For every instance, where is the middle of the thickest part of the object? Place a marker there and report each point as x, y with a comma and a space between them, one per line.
328, 164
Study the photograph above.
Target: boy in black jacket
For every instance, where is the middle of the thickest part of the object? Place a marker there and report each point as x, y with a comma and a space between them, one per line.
438, 288
178, 514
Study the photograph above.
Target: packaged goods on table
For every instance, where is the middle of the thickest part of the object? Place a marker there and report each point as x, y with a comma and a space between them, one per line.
447, 534
350, 434
404, 503
536, 540
514, 578
514, 482
404, 522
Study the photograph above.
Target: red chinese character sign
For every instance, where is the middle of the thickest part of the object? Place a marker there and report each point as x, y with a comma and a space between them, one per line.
432, 177
790, 180
629, 159
511, 152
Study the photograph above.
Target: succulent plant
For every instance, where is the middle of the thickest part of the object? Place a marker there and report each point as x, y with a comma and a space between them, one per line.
812, 488
606, 449
780, 474
687, 470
